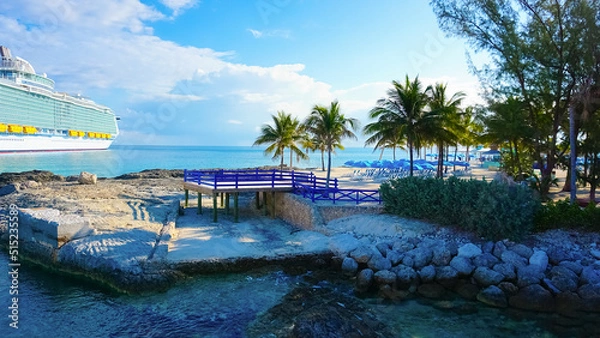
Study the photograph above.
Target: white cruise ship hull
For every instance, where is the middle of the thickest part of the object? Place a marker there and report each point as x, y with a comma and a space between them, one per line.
30, 143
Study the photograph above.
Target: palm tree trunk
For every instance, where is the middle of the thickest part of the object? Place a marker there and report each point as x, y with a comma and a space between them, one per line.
328, 170
322, 159
410, 156
291, 156
440, 168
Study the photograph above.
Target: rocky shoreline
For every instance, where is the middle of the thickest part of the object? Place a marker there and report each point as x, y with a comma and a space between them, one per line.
556, 271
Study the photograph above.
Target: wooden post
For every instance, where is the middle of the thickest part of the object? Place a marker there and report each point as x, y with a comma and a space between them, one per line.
221, 199
257, 200
187, 195
236, 211
199, 203
226, 203
214, 207
265, 209
272, 204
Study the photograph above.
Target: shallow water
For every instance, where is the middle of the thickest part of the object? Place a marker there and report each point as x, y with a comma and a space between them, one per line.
224, 305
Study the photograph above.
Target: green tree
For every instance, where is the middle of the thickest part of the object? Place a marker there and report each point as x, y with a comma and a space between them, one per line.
284, 133
441, 123
399, 116
385, 133
330, 126
472, 129
539, 50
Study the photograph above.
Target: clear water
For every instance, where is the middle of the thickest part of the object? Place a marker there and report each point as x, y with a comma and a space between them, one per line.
118, 160
224, 305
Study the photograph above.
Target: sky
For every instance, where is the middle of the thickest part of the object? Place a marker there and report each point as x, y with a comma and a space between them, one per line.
212, 72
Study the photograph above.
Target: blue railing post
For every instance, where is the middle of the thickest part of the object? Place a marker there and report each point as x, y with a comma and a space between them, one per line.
185, 175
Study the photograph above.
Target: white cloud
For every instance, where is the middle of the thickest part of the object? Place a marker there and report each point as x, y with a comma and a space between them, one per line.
270, 33
178, 6
234, 122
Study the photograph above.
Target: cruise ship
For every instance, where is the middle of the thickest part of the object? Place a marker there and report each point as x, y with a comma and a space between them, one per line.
34, 117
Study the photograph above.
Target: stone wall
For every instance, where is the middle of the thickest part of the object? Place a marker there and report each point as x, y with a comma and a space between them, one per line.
307, 215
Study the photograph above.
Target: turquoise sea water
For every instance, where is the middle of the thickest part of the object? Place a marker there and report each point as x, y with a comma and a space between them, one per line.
120, 159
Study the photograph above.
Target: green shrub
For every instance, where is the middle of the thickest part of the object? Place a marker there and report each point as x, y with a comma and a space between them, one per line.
492, 210
563, 214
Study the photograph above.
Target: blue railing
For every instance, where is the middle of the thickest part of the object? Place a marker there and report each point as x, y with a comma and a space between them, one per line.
306, 184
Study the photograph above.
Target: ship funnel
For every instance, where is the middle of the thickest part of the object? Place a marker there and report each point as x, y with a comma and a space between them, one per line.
5, 53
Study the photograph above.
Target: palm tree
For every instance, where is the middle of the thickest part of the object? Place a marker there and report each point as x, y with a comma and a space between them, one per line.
330, 126
442, 121
400, 114
284, 133
385, 134
472, 125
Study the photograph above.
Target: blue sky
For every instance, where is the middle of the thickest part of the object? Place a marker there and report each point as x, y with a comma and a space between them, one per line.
211, 72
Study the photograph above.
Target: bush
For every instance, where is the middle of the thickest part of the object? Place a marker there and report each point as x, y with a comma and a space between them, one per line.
493, 210
563, 214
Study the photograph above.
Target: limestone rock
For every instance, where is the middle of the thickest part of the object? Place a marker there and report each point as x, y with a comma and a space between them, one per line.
568, 304
349, 266
405, 275
488, 247
342, 244
522, 250
427, 274
383, 248
509, 288
362, 254
493, 296
421, 256
87, 178
385, 277
443, 253
50, 227
30, 185
408, 261
533, 297
528, 275
595, 253
514, 258
469, 250
539, 259
487, 277
364, 279
403, 246
590, 294
557, 255
446, 276
463, 265
378, 262
563, 278
590, 275
573, 266
506, 269
466, 289
499, 249
394, 256
485, 259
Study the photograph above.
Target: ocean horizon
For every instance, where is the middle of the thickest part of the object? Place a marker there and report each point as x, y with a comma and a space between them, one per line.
123, 159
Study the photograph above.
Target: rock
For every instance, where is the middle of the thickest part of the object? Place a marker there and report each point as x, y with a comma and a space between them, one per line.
513, 258
33, 175
590, 275
539, 259
421, 256
486, 277
405, 275
499, 249
383, 248
595, 253
469, 250
463, 265
427, 274
528, 275
446, 276
385, 277
533, 297
590, 294
349, 266
506, 269
51, 227
493, 296
431, 290
568, 304
522, 250
402, 246
30, 185
408, 261
443, 253
87, 178
573, 266
8, 189
362, 254
466, 289
550, 286
394, 256
364, 279
378, 262
342, 244
488, 247
557, 255
485, 259
72, 178
563, 278
509, 288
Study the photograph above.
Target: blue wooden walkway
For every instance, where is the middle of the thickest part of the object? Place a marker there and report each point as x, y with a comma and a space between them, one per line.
307, 184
